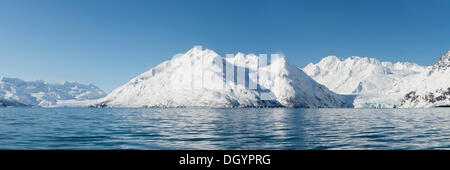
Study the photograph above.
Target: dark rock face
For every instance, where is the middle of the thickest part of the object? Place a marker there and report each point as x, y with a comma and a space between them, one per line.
411, 96
430, 97
434, 98
99, 105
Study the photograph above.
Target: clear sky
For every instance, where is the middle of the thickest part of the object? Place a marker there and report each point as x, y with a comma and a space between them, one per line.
108, 42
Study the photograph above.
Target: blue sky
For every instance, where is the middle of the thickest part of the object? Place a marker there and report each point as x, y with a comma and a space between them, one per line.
108, 42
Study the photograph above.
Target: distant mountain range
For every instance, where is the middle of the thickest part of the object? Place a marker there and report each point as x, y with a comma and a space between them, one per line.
385, 84
16, 92
202, 78
362, 75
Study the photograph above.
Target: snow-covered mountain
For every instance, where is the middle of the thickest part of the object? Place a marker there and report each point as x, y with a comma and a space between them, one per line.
384, 84
202, 78
432, 89
362, 75
18, 92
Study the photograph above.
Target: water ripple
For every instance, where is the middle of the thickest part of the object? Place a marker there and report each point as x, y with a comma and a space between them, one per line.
277, 128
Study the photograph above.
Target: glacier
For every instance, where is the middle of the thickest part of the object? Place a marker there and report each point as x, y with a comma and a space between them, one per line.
17, 92
384, 84
376, 84
202, 78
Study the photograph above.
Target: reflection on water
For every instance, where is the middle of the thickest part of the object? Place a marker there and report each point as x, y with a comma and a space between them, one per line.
277, 128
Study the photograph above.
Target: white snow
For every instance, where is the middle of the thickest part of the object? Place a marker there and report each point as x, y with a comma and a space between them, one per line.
74, 103
362, 75
377, 101
41, 93
202, 78
431, 89
198, 79
385, 84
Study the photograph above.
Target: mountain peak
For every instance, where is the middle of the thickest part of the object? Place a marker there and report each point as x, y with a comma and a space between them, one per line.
198, 51
344, 76
443, 63
69, 82
11, 80
330, 58
185, 82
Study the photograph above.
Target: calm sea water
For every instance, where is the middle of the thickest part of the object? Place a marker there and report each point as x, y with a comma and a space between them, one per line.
280, 128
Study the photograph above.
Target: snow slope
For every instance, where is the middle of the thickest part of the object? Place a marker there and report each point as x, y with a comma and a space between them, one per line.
376, 84
431, 89
384, 84
41, 93
362, 75
202, 78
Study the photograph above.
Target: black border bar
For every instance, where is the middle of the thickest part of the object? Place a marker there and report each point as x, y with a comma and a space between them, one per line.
149, 159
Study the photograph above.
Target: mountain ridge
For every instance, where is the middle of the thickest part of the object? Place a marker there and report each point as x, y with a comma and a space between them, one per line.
385, 84
433, 90
19, 92
176, 83
361, 75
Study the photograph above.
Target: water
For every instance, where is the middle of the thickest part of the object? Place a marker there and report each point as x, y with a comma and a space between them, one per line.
280, 128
